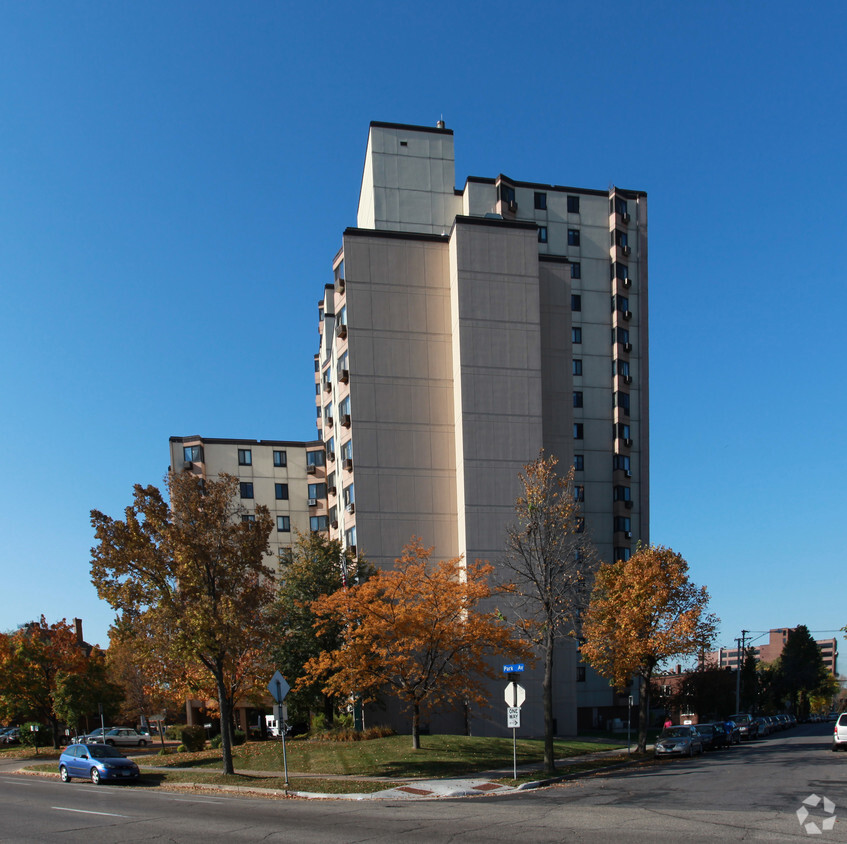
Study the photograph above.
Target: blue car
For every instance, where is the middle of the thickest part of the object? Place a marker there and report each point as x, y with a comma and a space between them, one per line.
97, 762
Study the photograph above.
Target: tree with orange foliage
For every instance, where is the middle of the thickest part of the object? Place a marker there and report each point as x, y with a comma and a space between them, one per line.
644, 610
42, 665
416, 631
192, 572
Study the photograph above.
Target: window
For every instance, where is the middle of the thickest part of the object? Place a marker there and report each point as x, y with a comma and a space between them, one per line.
349, 495
344, 406
245, 457
573, 205
350, 537
333, 516
347, 450
573, 237
342, 316
576, 335
576, 302
621, 461
540, 201
579, 462
317, 490
577, 430
577, 366
619, 206
622, 493
577, 398
281, 491
330, 481
342, 363
246, 490
621, 431
192, 453
330, 447
576, 270
620, 335
622, 553
622, 401
315, 458
620, 367
283, 524
507, 193
620, 303
580, 673
623, 523
280, 458
247, 518
620, 271
619, 238
318, 523
339, 270
579, 493
542, 234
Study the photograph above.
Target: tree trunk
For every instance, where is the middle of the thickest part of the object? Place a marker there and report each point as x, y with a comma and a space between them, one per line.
547, 699
416, 726
226, 717
329, 710
643, 711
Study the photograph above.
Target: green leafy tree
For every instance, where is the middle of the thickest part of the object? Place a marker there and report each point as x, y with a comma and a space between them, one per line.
750, 682
315, 566
551, 561
643, 611
801, 670
709, 691
81, 694
192, 573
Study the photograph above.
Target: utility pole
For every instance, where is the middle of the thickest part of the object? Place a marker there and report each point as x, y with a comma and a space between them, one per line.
739, 663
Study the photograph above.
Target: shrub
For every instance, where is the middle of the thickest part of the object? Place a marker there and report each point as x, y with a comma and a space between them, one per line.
238, 737
173, 731
182, 749
215, 742
194, 738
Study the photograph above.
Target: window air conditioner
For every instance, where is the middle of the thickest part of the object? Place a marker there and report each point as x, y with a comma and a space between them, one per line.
627, 282
627, 347
313, 502
348, 464
187, 465
345, 420
625, 216
627, 315
344, 376
310, 469
629, 534
627, 379
628, 505
627, 250
351, 507
628, 442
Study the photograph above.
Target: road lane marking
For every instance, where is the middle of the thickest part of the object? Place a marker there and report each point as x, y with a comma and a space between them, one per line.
87, 812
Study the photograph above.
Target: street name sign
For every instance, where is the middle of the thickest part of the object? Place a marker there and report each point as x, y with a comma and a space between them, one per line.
515, 668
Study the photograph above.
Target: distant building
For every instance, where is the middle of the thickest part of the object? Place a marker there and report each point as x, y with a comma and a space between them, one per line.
728, 657
289, 478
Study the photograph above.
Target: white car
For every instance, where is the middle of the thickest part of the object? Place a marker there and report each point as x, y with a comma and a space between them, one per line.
839, 734
125, 737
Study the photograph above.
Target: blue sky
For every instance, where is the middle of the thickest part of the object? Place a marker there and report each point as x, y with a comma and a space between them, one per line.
175, 178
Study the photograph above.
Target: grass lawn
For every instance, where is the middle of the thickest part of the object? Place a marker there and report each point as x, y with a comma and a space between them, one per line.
439, 756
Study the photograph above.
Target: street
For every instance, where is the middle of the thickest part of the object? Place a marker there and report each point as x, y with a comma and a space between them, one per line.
749, 793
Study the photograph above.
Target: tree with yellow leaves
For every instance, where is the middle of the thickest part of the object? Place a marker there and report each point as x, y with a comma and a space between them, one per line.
414, 631
645, 610
192, 572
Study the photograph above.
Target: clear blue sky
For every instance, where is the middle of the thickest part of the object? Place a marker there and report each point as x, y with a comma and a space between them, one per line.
175, 178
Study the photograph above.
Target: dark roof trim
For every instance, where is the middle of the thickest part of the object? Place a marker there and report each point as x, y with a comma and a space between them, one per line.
390, 233
224, 441
481, 180
493, 221
380, 125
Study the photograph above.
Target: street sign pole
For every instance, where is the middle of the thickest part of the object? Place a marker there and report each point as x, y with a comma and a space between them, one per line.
515, 696
279, 697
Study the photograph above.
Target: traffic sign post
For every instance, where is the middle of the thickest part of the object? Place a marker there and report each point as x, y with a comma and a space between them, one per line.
279, 688
515, 695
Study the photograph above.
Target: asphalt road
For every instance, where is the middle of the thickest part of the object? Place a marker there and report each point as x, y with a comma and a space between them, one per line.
748, 793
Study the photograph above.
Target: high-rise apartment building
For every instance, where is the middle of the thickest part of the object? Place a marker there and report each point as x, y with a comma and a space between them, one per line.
289, 478
771, 650
465, 330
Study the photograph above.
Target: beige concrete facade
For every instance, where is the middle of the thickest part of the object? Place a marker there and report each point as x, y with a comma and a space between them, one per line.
465, 330
289, 478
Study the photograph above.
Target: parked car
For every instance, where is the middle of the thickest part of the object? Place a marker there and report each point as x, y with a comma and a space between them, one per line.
681, 740
720, 737
732, 732
125, 737
96, 762
11, 735
748, 727
93, 737
839, 733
